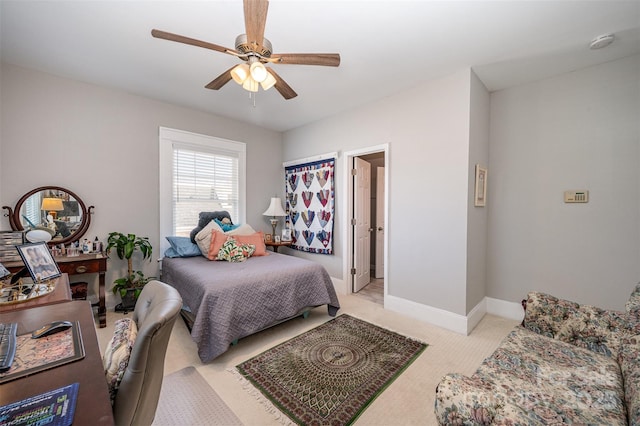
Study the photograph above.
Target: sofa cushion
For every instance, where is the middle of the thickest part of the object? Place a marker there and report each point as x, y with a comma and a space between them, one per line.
633, 304
595, 329
556, 380
545, 313
630, 367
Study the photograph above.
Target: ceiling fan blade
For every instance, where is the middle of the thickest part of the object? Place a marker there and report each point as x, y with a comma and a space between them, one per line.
192, 41
281, 86
220, 80
255, 18
325, 59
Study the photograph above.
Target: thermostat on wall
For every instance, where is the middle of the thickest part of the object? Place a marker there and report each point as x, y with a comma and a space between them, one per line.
579, 196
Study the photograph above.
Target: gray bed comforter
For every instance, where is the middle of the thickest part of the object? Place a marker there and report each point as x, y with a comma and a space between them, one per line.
233, 300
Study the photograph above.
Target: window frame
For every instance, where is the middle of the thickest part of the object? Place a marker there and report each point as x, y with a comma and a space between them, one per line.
167, 139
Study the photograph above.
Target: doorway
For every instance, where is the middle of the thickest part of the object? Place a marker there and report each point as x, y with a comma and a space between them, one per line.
367, 220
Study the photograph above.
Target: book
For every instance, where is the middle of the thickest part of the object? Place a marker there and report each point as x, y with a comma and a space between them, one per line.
55, 408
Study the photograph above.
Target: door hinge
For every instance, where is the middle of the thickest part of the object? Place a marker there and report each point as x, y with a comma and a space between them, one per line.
353, 221
353, 271
354, 172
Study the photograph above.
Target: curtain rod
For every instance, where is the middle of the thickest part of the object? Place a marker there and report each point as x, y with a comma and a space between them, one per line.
313, 158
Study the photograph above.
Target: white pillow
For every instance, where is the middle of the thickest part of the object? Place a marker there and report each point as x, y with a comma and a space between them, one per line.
203, 238
244, 229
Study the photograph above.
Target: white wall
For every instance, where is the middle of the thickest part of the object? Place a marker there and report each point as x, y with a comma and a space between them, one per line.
580, 130
477, 216
427, 129
102, 144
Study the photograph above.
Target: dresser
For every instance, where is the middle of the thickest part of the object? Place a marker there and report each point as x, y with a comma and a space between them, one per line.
93, 263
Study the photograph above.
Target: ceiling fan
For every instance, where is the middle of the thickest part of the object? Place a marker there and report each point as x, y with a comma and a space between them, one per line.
255, 51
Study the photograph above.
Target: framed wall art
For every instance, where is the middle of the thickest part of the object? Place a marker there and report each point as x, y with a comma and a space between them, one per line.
481, 187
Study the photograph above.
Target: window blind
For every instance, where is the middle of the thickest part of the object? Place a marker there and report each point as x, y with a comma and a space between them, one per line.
204, 179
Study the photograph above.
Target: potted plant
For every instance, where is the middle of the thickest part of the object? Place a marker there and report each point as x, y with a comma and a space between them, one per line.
130, 286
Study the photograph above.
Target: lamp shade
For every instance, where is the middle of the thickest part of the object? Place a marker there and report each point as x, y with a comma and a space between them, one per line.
275, 208
258, 72
250, 85
52, 204
240, 73
268, 82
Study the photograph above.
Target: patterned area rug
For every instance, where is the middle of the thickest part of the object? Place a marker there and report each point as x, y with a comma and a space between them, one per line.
330, 374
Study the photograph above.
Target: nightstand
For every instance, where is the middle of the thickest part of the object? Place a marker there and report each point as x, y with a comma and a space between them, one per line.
275, 246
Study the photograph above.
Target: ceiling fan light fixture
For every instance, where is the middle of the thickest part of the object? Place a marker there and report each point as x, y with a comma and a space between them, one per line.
240, 73
268, 82
250, 84
258, 71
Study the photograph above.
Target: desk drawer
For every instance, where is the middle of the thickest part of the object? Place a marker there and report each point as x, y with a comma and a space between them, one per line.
83, 267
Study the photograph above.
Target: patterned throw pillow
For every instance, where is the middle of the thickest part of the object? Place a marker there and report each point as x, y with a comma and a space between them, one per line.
231, 251
116, 355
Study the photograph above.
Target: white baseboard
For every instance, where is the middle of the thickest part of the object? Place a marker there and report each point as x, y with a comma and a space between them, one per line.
340, 286
458, 323
504, 309
426, 313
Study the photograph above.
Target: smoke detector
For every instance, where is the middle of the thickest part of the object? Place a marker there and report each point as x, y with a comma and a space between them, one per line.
601, 41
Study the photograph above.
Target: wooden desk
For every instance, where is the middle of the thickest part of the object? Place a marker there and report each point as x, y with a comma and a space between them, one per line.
93, 406
94, 263
62, 293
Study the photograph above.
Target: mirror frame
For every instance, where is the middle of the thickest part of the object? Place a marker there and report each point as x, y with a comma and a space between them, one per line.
16, 223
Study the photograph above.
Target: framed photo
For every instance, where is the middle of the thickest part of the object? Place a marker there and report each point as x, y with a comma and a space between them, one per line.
267, 238
286, 234
39, 262
481, 187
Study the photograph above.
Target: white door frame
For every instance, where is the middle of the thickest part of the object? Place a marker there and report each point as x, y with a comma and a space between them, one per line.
347, 196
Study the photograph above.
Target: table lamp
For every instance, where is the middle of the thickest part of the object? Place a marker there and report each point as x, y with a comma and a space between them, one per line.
52, 206
275, 209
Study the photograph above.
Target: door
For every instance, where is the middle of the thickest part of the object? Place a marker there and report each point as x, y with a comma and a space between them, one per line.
362, 231
380, 189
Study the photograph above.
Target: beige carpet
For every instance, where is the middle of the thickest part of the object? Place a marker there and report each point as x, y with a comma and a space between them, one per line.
187, 399
408, 401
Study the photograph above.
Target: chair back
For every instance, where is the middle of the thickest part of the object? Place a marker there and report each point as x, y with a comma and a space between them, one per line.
155, 313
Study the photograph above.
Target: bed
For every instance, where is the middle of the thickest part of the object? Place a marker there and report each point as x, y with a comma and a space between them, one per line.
230, 300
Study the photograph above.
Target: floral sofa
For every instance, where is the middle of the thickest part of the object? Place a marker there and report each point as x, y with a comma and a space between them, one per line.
566, 364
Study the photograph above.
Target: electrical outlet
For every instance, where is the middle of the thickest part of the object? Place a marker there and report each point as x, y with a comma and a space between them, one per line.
576, 196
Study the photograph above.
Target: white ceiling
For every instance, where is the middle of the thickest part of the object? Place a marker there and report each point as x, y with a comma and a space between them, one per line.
385, 47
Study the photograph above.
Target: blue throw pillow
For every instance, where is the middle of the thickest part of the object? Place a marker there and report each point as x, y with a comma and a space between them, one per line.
226, 227
182, 247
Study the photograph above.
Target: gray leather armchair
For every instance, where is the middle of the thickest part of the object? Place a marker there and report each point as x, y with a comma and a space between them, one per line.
155, 313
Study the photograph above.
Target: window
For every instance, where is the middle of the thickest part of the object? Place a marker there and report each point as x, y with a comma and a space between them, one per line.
198, 173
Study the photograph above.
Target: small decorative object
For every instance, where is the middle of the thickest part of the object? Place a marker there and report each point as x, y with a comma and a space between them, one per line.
39, 261
275, 209
277, 239
3, 271
86, 246
286, 234
129, 287
267, 238
481, 187
72, 251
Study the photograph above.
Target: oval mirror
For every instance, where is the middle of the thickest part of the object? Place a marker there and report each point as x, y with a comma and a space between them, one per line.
52, 214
